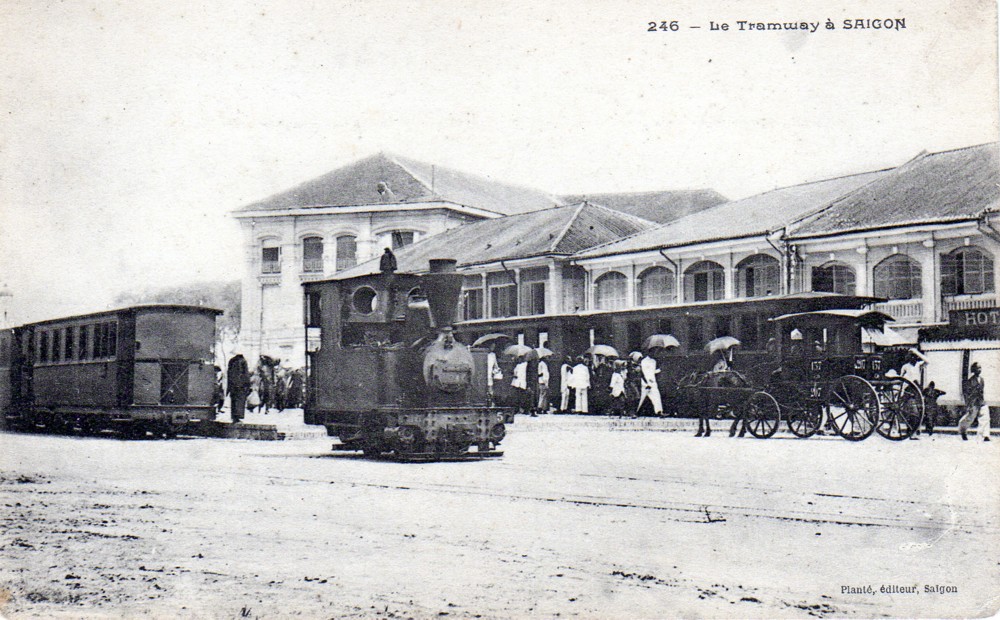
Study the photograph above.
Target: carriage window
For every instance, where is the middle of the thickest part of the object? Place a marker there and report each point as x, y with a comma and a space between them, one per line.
897, 277
314, 309
833, 278
656, 286
966, 271
57, 345
696, 333
312, 254
84, 342
43, 346
71, 343
721, 327
609, 291
749, 331
704, 281
758, 276
112, 339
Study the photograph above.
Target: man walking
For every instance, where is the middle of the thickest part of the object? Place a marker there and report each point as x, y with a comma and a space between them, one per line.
650, 386
565, 384
972, 391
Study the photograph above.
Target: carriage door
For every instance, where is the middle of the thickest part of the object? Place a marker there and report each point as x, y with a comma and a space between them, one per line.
174, 383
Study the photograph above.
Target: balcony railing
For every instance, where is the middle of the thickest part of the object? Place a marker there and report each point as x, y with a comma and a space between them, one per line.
270, 266
312, 265
903, 310
968, 302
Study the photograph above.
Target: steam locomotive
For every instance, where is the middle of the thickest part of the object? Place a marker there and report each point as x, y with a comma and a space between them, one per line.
386, 373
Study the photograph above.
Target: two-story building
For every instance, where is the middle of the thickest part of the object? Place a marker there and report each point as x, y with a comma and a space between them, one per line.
330, 224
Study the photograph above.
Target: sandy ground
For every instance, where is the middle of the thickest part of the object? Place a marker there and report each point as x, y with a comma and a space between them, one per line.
577, 519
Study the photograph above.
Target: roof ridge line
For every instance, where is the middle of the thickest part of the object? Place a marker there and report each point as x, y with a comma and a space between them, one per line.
637, 219
562, 234
801, 220
419, 179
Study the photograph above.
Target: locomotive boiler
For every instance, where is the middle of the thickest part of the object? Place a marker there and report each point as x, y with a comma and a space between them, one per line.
386, 373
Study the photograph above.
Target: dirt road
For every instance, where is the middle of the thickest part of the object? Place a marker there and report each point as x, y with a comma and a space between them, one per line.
577, 519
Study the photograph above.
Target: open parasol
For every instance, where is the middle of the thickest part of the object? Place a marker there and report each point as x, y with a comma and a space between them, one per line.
519, 351
722, 344
603, 350
664, 341
543, 352
490, 338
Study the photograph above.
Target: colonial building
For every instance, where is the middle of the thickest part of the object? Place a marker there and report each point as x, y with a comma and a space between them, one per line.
923, 236
331, 223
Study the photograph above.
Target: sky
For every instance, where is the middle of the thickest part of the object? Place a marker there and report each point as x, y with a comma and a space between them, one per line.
130, 130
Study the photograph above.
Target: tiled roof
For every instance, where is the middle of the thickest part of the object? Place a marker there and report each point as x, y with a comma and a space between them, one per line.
756, 215
939, 187
408, 181
660, 207
558, 231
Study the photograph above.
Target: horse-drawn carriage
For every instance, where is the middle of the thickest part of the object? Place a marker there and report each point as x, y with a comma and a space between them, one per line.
815, 370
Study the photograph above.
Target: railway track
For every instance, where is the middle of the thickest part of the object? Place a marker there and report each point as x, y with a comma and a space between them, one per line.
680, 511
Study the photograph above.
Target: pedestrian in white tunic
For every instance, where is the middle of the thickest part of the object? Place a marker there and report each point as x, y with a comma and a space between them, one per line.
520, 385
650, 387
581, 385
565, 384
543, 387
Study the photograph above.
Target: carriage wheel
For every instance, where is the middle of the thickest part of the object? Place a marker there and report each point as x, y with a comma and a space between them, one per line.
805, 419
853, 407
902, 409
762, 415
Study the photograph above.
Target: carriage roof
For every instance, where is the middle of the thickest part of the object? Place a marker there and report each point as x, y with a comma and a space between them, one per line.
863, 318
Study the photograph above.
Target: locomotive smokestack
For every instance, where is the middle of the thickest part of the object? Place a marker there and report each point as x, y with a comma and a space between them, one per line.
443, 287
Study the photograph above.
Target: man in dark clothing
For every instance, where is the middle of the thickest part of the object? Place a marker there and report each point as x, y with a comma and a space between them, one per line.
387, 264
237, 386
931, 396
972, 391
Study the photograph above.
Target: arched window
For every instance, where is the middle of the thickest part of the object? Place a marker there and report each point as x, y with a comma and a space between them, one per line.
758, 276
833, 278
897, 277
347, 252
704, 281
966, 271
609, 291
656, 286
312, 254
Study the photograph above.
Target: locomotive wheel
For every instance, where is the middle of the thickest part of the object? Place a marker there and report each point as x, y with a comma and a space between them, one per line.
410, 440
762, 415
804, 419
853, 407
902, 410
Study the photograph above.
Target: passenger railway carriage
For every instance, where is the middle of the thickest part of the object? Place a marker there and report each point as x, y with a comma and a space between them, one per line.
694, 325
135, 370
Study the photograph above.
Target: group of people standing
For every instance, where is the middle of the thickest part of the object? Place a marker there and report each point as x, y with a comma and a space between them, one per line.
270, 386
587, 384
